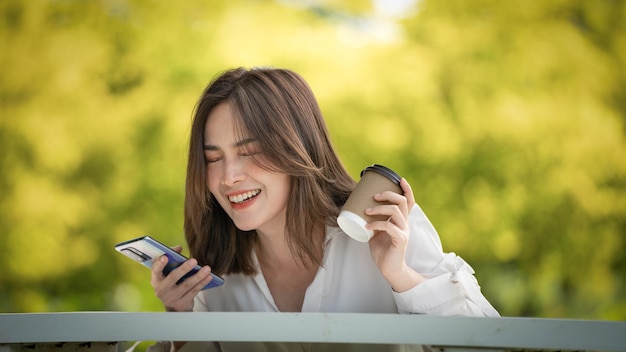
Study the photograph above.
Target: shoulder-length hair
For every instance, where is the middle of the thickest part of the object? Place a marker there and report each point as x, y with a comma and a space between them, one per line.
278, 109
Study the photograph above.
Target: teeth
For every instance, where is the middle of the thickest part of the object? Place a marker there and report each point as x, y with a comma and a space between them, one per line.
244, 196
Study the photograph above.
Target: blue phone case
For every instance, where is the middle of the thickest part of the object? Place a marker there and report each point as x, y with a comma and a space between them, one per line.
145, 249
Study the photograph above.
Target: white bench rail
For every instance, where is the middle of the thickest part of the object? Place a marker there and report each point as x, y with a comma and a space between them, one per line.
465, 332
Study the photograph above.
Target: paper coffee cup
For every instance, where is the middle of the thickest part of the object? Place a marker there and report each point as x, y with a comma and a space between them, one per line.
352, 218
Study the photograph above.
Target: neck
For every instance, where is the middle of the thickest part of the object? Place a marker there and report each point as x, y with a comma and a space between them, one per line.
274, 250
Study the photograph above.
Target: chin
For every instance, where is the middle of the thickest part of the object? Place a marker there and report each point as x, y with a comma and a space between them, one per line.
245, 227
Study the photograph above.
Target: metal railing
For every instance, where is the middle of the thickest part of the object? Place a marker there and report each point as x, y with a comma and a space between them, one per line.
444, 332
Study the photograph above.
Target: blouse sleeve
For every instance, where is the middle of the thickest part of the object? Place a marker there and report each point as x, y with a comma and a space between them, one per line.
450, 287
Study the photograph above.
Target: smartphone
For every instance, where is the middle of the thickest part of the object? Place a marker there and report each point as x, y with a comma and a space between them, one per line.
145, 249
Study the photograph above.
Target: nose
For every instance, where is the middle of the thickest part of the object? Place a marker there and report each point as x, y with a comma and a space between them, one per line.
233, 172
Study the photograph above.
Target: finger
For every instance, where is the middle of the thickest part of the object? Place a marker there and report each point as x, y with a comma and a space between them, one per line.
158, 265
380, 239
392, 231
177, 248
396, 223
392, 197
391, 222
196, 282
182, 270
182, 295
408, 193
395, 213
181, 302
177, 296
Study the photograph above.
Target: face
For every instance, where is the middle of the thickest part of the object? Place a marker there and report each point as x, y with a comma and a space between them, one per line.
254, 198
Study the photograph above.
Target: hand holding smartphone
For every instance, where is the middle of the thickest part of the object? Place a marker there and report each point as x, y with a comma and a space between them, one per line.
145, 249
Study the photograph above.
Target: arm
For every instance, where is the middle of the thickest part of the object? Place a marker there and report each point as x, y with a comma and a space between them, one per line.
408, 252
389, 244
178, 298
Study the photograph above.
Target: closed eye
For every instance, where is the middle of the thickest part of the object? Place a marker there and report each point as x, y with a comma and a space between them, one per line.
212, 157
250, 148
250, 152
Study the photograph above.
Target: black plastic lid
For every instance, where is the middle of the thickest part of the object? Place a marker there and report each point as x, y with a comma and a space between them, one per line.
385, 171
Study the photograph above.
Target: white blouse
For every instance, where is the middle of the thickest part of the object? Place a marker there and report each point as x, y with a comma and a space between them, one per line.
348, 281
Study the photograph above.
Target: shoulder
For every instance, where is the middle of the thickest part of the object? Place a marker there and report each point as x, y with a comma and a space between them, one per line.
341, 248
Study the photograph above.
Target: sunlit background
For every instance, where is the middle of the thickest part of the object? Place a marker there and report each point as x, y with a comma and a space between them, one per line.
507, 117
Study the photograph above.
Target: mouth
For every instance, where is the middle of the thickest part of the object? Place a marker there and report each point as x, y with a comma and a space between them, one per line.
242, 197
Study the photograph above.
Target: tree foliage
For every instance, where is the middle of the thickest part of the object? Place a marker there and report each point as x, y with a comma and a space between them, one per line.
508, 118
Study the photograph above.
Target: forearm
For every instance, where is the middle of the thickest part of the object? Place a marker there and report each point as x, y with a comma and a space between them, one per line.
452, 293
404, 279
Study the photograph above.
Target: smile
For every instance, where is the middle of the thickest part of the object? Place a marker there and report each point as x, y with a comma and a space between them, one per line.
240, 198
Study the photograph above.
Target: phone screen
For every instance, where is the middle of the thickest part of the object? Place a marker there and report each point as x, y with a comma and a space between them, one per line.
144, 250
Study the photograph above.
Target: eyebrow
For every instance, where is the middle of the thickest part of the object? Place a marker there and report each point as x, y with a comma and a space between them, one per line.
236, 145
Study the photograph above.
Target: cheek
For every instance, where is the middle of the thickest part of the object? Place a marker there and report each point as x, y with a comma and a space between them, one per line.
212, 180
285, 189
213, 184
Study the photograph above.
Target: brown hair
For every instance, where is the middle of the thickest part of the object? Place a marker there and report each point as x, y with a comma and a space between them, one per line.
278, 109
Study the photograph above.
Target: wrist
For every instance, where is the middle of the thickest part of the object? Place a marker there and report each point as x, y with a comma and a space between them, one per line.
404, 279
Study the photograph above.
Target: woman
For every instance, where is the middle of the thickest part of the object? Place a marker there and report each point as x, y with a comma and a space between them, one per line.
264, 189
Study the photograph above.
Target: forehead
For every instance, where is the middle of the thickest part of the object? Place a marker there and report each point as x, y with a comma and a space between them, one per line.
223, 126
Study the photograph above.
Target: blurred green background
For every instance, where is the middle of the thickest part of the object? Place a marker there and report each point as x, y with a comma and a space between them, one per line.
507, 117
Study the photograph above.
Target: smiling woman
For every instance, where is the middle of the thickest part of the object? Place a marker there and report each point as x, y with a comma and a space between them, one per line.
269, 107
264, 189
